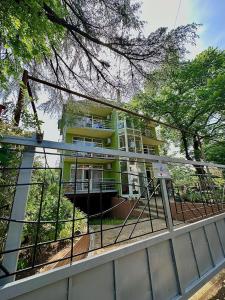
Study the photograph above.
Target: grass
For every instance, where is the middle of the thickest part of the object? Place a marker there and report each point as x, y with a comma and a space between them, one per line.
106, 221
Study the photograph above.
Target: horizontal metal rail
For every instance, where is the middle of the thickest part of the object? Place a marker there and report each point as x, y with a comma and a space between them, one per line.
24, 141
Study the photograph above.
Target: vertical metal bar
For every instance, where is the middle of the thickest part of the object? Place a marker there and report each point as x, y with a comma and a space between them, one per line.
58, 205
176, 269
115, 281
166, 204
153, 296
195, 258
221, 244
74, 212
175, 202
18, 213
203, 202
101, 209
181, 205
38, 224
209, 247
156, 204
149, 209
88, 203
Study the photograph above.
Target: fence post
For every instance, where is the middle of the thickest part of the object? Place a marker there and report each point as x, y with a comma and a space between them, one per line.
15, 229
165, 198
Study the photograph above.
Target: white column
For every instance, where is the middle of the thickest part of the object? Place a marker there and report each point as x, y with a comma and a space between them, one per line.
15, 229
166, 204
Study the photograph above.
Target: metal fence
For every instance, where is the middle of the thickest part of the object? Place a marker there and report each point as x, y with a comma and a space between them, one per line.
44, 216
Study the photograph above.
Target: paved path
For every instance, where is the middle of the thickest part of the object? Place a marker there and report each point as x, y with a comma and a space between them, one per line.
109, 236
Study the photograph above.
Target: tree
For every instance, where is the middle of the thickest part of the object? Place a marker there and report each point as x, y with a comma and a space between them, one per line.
190, 96
215, 151
83, 42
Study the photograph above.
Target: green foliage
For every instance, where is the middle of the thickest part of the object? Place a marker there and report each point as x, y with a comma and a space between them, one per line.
182, 175
44, 197
45, 187
189, 95
26, 35
216, 152
9, 162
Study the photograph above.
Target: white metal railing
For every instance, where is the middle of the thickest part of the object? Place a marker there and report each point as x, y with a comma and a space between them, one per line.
86, 185
82, 154
89, 122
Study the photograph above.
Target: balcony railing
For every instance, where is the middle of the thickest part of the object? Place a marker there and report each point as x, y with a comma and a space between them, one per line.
89, 155
89, 122
86, 185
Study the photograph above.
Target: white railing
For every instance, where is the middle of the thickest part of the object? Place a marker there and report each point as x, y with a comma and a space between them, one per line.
86, 185
89, 122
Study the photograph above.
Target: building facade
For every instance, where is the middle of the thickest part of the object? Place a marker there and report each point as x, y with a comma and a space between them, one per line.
89, 124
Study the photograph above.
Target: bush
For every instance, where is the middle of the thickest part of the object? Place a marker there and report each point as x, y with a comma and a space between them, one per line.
46, 203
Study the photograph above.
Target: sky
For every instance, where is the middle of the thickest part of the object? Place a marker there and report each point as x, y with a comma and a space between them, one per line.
172, 13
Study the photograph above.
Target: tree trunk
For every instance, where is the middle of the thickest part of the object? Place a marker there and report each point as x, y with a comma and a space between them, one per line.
200, 172
20, 101
185, 144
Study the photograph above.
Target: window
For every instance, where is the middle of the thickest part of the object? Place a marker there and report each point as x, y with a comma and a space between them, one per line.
122, 142
98, 123
123, 166
138, 144
120, 124
131, 143
148, 149
129, 123
125, 184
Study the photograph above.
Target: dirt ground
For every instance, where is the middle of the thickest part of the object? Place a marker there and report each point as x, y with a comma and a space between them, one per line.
212, 290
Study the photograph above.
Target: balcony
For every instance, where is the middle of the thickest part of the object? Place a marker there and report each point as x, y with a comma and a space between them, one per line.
90, 126
81, 187
149, 138
84, 157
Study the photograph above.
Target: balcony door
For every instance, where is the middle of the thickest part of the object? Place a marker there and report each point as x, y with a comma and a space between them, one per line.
96, 178
84, 173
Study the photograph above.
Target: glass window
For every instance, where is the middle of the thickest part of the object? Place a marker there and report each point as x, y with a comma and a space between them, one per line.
129, 123
131, 143
138, 144
87, 121
122, 142
148, 149
123, 166
98, 123
120, 124
125, 185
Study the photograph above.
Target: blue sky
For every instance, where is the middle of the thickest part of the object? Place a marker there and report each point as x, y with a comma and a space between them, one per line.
209, 13
165, 13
